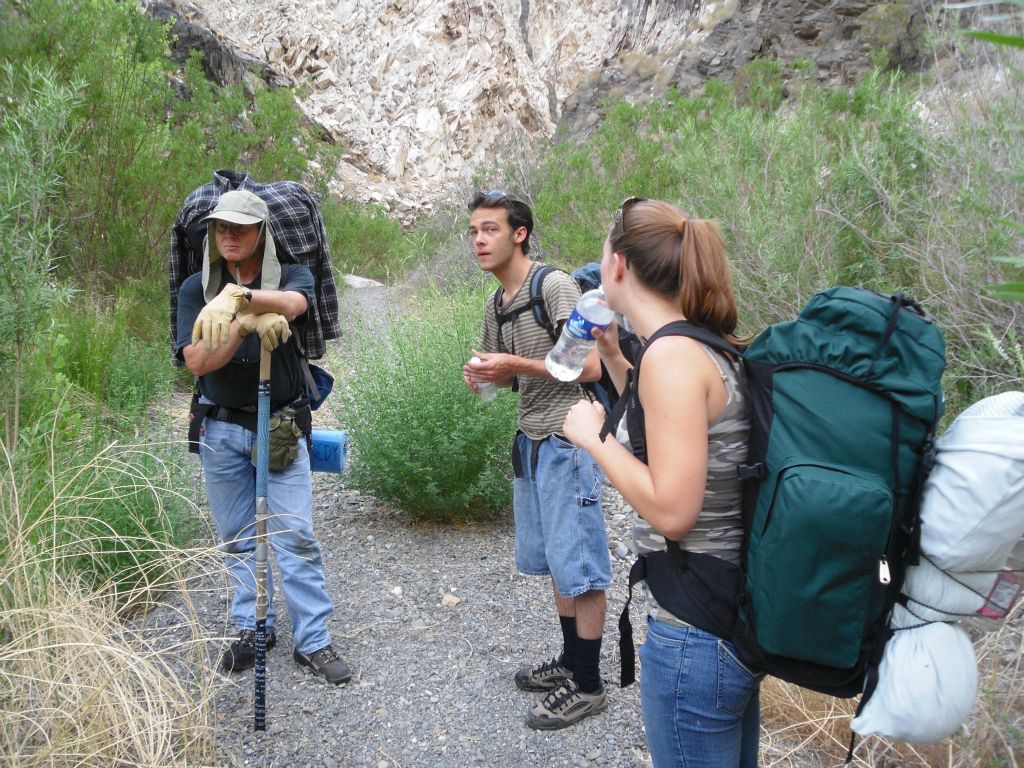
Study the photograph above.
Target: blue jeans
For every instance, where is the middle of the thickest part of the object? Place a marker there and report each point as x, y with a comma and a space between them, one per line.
231, 489
559, 523
701, 705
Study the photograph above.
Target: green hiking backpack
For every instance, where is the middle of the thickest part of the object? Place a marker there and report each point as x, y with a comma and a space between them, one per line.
844, 405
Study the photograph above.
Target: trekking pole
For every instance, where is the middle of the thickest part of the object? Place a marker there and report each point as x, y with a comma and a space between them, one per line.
262, 462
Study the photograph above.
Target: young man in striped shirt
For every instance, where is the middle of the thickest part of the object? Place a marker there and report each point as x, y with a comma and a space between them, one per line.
557, 489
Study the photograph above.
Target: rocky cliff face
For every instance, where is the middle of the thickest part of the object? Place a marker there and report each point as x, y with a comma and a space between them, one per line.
419, 92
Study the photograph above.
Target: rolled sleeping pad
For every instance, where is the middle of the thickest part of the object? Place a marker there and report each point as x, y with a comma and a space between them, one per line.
329, 450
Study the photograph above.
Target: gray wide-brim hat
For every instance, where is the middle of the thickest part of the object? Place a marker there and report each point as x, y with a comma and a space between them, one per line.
239, 207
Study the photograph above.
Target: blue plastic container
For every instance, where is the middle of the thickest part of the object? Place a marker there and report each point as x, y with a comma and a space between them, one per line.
329, 450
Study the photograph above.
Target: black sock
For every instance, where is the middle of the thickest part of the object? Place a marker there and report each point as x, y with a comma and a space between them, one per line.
587, 672
569, 639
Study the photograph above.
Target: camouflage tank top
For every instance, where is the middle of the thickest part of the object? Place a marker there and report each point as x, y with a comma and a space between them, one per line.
719, 527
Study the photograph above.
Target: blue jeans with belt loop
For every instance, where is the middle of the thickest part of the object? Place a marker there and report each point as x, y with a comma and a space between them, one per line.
701, 705
226, 452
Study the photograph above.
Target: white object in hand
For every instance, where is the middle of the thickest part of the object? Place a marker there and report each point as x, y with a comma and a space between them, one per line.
487, 389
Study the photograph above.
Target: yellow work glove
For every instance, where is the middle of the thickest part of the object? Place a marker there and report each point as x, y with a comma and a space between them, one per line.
272, 328
213, 325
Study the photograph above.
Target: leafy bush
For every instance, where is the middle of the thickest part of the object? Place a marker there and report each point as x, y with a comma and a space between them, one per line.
420, 439
34, 143
836, 187
100, 353
365, 240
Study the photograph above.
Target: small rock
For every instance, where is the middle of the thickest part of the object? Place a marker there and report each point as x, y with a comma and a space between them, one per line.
355, 281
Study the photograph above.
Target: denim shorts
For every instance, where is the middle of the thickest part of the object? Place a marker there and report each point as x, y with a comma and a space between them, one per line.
700, 703
559, 523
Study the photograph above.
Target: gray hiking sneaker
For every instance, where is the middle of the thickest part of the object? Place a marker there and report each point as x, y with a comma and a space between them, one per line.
565, 705
544, 677
241, 654
326, 664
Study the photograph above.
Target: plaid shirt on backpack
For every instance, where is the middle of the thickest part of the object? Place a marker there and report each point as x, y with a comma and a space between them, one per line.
298, 231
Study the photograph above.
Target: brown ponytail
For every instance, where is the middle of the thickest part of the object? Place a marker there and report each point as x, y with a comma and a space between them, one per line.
680, 257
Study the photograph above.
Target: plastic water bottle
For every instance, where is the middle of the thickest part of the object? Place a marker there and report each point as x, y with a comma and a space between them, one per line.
566, 358
487, 389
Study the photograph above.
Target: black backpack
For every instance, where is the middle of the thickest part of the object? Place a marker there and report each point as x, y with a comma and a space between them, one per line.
844, 405
587, 278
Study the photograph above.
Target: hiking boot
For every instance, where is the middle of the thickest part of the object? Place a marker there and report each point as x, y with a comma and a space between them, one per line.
565, 705
241, 654
544, 677
326, 664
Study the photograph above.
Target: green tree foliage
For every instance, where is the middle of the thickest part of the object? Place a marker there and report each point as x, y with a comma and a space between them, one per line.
34, 143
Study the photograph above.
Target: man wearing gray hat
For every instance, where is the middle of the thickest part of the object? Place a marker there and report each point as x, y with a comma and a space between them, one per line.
243, 300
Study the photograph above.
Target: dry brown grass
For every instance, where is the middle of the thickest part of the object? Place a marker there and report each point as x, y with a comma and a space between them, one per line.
80, 685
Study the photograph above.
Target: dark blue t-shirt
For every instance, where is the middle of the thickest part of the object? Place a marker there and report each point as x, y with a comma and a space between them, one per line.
234, 385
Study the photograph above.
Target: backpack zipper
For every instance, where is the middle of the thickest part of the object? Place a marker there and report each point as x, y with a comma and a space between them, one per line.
883, 570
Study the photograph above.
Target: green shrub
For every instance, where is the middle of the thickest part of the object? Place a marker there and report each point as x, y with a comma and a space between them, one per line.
835, 187
105, 358
420, 439
34, 129
364, 240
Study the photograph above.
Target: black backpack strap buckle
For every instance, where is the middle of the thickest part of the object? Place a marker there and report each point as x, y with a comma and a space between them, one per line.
754, 471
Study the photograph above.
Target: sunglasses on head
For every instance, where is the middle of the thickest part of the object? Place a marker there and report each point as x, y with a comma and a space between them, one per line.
493, 198
619, 227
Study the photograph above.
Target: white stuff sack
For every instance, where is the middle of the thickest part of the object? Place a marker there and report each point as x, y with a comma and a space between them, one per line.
934, 595
927, 682
972, 510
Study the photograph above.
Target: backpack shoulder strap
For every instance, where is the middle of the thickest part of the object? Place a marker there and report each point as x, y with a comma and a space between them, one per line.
540, 310
535, 304
703, 335
676, 328
312, 390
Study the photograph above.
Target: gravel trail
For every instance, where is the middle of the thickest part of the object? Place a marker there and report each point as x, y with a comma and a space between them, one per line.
432, 682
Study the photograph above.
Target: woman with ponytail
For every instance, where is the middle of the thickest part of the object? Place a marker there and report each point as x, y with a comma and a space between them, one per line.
675, 463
